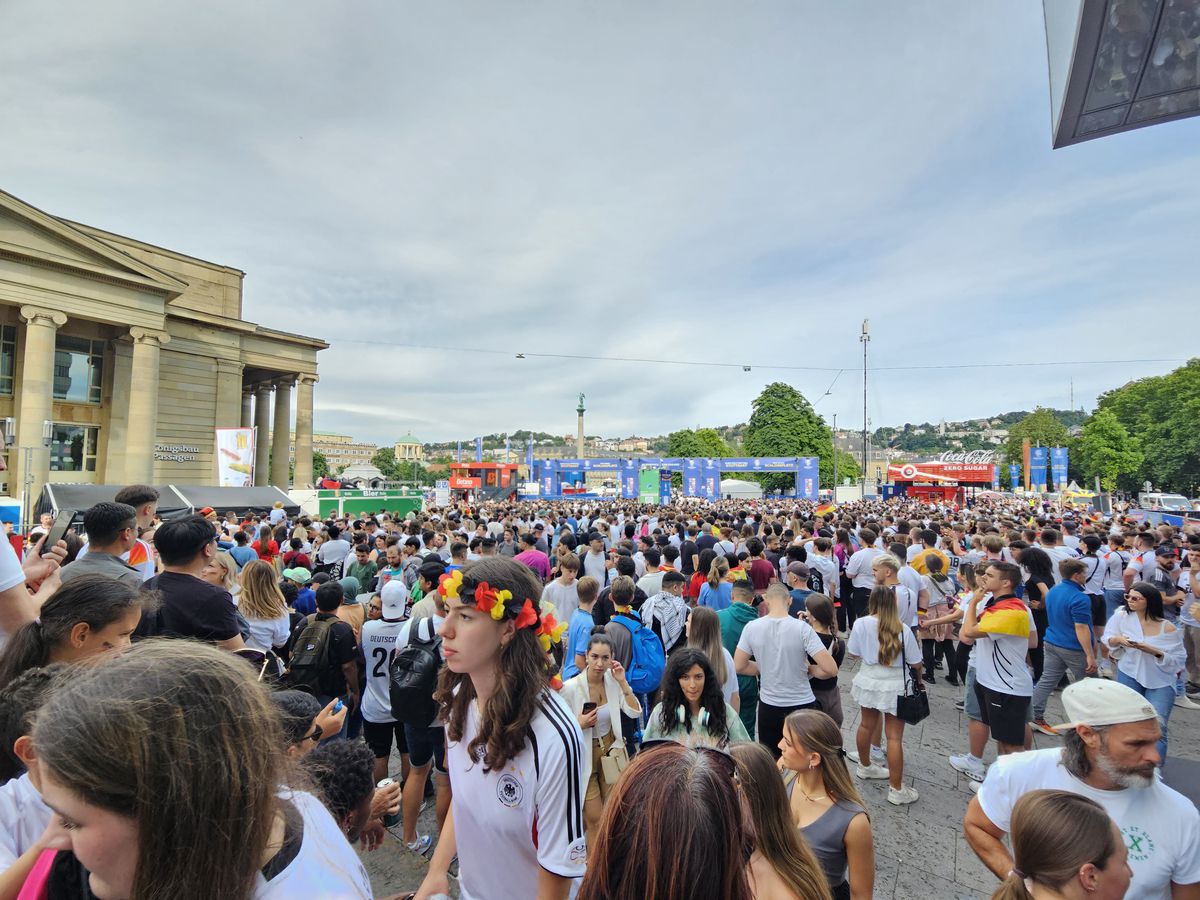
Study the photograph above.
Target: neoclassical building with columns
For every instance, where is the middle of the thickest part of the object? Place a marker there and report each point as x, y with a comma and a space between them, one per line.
118, 359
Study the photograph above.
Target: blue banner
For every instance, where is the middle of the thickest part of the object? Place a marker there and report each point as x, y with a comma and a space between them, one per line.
664, 488
629, 476
808, 482
478, 449
529, 457
458, 455
996, 477
710, 480
1038, 458
1014, 475
1058, 467
506, 448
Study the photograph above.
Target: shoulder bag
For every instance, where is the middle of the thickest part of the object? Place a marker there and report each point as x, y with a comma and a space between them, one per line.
912, 706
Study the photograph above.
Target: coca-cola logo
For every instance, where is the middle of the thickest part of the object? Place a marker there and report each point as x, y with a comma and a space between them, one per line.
968, 456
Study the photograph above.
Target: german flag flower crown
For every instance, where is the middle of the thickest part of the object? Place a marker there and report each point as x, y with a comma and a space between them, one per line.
499, 604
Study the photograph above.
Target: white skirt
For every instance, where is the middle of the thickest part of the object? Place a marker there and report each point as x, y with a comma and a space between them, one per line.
876, 687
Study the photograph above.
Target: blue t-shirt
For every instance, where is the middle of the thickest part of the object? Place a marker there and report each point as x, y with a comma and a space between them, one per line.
719, 599
1066, 606
242, 555
306, 601
799, 600
579, 630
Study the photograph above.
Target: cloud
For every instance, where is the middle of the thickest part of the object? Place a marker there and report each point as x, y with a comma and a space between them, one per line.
682, 181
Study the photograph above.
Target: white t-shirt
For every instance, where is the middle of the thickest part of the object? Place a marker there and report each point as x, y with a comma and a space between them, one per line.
864, 643
495, 812
326, 865
564, 597
858, 568
378, 640
1000, 662
781, 647
11, 573
593, 564
1161, 826
730, 687
268, 633
1115, 562
1143, 565
23, 818
906, 604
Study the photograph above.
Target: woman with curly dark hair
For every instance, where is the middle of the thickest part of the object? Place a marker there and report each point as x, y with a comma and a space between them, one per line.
693, 708
515, 753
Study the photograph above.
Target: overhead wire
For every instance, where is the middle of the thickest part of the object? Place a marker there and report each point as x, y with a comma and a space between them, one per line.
744, 366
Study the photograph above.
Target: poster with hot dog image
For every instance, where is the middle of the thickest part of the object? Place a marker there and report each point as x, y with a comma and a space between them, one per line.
235, 457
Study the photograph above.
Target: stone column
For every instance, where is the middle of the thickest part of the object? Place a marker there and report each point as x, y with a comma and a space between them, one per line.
304, 431
34, 403
283, 424
230, 400
247, 406
262, 437
142, 425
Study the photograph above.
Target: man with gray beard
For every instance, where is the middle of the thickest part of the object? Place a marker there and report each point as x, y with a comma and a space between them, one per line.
1110, 756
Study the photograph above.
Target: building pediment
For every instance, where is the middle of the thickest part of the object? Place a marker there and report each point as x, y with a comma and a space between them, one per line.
28, 234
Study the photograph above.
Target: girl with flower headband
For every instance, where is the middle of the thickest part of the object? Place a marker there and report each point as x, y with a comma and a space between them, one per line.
515, 753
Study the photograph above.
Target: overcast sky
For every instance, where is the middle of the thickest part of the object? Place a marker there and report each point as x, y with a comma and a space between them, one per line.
707, 181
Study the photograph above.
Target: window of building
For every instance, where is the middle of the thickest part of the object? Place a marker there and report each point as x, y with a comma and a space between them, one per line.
73, 448
8, 358
78, 369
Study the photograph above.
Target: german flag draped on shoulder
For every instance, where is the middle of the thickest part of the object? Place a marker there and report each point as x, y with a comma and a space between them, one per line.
1007, 616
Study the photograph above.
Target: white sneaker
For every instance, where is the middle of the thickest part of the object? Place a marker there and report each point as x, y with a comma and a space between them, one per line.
1186, 702
905, 795
973, 786
878, 757
973, 769
871, 772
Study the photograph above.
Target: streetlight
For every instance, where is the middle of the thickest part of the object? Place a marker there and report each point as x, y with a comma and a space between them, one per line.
47, 439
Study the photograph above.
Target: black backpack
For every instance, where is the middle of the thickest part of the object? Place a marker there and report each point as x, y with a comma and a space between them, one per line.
413, 675
816, 581
310, 654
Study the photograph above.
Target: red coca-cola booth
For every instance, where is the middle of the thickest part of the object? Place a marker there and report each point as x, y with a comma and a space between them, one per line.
939, 482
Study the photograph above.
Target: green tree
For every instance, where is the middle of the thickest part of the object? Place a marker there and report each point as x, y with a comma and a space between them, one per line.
847, 467
711, 443
320, 465
1041, 426
684, 443
1159, 413
783, 423
385, 461
1107, 450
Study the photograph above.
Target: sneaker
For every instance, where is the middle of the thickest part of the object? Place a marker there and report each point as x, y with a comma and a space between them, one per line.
1044, 727
905, 795
973, 769
1186, 702
420, 845
973, 786
871, 771
1105, 670
878, 757
960, 705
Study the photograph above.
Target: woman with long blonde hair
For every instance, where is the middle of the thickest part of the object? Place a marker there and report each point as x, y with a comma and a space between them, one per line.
716, 593
825, 805
886, 648
262, 605
703, 629
782, 866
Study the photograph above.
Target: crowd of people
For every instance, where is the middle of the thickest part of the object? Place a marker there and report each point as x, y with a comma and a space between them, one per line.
601, 699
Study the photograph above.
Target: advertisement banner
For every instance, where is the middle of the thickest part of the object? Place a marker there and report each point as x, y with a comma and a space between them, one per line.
710, 480
629, 488
648, 486
478, 449
664, 488
1014, 476
996, 477
1038, 458
1058, 467
441, 492
235, 457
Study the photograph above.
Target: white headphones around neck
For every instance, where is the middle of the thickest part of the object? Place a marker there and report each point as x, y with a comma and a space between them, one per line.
701, 719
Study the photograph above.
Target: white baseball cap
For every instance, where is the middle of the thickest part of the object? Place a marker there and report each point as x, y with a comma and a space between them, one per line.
1096, 702
394, 599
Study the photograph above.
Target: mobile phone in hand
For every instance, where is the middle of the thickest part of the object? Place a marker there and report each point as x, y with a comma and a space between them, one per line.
59, 529
589, 707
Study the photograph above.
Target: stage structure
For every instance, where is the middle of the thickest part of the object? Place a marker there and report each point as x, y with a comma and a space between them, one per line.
701, 476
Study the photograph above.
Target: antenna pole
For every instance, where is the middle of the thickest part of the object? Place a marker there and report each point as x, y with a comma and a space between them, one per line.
865, 337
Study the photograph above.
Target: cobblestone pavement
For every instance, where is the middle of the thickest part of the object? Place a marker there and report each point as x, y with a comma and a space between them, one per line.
919, 849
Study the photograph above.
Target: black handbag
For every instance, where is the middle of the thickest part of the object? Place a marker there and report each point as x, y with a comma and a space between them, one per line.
912, 706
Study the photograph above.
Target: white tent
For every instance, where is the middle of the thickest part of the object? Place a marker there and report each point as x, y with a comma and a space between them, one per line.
737, 489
